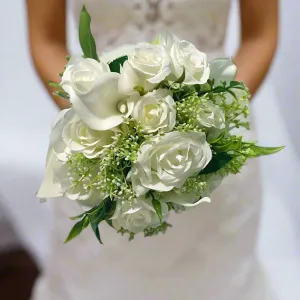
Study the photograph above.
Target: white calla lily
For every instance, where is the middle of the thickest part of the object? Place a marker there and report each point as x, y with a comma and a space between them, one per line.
186, 200
101, 106
222, 69
49, 188
94, 94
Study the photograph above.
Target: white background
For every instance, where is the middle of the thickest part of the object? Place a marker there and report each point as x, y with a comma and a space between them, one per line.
26, 114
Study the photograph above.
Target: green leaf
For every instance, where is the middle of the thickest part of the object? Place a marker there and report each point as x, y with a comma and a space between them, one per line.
219, 89
211, 82
109, 222
92, 210
157, 206
86, 39
225, 147
77, 229
235, 84
55, 85
233, 143
115, 65
218, 138
103, 212
251, 150
95, 227
181, 78
233, 95
61, 94
217, 162
77, 217
94, 217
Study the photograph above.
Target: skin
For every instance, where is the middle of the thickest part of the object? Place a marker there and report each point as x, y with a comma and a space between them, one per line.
259, 34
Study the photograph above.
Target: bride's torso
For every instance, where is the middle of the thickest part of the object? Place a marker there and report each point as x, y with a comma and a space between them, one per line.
118, 22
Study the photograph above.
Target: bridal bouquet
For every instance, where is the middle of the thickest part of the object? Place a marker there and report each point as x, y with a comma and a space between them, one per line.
150, 130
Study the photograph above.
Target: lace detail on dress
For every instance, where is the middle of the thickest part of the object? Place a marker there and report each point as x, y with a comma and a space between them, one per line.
118, 22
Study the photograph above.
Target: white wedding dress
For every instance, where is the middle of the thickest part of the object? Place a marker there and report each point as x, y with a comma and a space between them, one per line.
210, 251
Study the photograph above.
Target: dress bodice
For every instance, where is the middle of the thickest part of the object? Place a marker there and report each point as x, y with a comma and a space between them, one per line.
118, 22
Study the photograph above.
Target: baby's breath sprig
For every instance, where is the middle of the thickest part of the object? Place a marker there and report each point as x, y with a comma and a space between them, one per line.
188, 111
81, 171
192, 185
233, 99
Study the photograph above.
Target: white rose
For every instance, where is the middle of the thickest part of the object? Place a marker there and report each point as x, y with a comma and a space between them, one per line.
86, 194
165, 163
137, 216
146, 67
63, 176
222, 69
211, 115
71, 133
156, 110
186, 57
94, 94
59, 181
81, 73
242, 95
166, 39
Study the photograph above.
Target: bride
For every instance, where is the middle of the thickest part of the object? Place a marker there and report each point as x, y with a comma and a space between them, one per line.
210, 251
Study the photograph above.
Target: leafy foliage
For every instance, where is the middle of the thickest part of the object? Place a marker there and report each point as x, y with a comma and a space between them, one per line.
102, 212
105, 177
157, 206
217, 162
77, 229
86, 39
162, 228
115, 65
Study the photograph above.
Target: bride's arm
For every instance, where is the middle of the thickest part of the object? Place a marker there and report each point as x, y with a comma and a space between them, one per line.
47, 35
259, 33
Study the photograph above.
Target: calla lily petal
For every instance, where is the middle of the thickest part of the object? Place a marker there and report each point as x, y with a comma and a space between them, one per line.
98, 108
186, 200
49, 188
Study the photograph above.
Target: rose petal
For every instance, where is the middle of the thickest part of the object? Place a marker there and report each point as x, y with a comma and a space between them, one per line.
123, 50
222, 69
